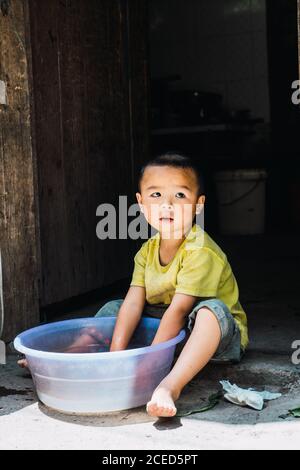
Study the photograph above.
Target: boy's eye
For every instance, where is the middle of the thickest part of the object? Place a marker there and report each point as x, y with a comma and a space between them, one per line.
180, 195
157, 194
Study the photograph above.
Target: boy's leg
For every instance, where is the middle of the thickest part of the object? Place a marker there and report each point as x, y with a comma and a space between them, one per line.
110, 308
199, 349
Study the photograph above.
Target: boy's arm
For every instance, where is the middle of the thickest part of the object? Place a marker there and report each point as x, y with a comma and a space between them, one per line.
128, 317
174, 318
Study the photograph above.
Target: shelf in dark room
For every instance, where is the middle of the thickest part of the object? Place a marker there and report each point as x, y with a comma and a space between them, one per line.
223, 145
218, 127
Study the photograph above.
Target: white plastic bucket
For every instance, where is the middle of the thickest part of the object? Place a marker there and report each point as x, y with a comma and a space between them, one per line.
241, 198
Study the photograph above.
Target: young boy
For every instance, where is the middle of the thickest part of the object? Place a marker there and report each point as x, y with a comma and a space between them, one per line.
182, 273
182, 276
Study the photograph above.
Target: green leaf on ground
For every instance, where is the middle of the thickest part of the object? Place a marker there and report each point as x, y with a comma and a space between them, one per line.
213, 400
295, 412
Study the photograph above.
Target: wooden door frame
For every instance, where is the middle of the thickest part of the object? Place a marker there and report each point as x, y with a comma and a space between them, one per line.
19, 219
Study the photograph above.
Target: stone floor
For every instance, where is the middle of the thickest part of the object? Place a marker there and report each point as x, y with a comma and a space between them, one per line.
267, 273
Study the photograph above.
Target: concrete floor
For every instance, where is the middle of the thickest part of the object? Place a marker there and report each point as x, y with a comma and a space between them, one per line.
267, 273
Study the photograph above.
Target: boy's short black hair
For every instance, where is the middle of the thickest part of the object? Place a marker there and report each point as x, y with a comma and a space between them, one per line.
175, 160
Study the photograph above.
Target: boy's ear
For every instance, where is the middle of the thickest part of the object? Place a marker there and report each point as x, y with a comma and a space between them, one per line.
139, 200
200, 203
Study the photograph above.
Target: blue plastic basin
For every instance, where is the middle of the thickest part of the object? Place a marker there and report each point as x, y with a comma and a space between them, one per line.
98, 380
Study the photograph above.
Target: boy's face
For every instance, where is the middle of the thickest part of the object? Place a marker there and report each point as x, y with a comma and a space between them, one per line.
169, 199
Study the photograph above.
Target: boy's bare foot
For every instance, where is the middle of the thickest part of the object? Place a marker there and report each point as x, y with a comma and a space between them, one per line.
162, 402
23, 363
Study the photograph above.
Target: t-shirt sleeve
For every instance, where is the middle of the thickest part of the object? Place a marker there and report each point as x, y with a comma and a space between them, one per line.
200, 274
140, 259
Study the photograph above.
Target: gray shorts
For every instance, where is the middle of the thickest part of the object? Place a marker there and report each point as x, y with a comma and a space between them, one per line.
229, 349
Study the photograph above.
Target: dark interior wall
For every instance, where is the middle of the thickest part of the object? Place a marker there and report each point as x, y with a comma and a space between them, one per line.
283, 58
90, 96
216, 46
283, 61
247, 51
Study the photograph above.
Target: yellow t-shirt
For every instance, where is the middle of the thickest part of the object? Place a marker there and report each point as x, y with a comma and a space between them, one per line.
199, 268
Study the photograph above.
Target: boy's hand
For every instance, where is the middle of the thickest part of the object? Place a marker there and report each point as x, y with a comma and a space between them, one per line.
90, 340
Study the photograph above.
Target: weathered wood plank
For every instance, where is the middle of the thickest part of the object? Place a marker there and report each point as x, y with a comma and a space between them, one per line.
47, 66
18, 237
86, 146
